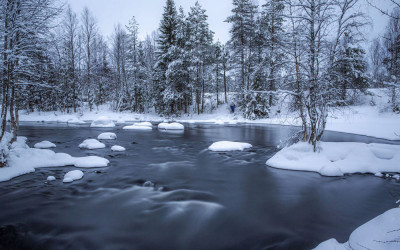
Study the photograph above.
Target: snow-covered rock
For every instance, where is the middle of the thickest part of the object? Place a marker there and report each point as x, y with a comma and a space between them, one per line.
120, 121
73, 176
102, 122
117, 148
44, 144
229, 146
107, 136
51, 178
75, 120
146, 124
135, 127
91, 144
90, 162
171, 126
338, 158
380, 233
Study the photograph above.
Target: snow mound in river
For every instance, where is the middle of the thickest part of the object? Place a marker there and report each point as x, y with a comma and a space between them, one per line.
44, 144
23, 159
102, 122
137, 127
117, 148
73, 176
339, 158
107, 136
229, 146
91, 144
380, 233
171, 126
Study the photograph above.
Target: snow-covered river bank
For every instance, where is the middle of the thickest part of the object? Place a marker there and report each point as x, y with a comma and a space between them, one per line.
168, 191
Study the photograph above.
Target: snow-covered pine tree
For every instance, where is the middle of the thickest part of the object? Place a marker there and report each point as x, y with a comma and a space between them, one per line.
199, 44
242, 44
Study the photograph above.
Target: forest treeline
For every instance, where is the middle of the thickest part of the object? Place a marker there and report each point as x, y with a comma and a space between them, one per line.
53, 59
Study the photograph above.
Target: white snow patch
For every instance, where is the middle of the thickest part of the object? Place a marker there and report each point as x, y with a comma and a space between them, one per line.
380, 233
44, 144
136, 127
120, 121
117, 148
146, 124
91, 144
90, 162
171, 126
107, 136
229, 146
51, 178
102, 122
338, 158
73, 176
75, 120
22, 160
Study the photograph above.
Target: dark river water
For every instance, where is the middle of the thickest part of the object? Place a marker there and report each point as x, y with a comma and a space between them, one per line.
199, 199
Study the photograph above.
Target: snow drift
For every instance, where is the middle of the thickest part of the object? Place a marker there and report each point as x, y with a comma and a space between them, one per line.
380, 233
339, 158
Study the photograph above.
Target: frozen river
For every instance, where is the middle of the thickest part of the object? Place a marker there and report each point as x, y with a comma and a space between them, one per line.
167, 191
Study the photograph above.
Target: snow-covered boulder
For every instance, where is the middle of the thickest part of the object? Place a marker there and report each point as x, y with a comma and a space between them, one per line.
102, 122
338, 158
51, 178
75, 120
135, 127
73, 176
229, 146
91, 162
107, 136
117, 148
145, 124
380, 233
44, 144
171, 126
91, 144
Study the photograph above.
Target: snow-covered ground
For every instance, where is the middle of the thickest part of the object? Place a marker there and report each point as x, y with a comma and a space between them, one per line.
22, 160
339, 158
380, 233
370, 117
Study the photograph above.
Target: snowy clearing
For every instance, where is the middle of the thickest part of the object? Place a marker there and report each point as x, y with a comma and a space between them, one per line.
73, 176
117, 148
380, 233
339, 158
107, 136
91, 144
22, 160
102, 122
44, 145
135, 127
171, 126
228, 146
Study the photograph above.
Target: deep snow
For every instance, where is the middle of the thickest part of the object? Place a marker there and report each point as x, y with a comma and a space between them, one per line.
339, 158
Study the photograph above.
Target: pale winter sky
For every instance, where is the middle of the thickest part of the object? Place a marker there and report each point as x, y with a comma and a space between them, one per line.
148, 14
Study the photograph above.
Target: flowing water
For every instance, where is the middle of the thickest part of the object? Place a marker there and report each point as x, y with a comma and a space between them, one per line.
197, 199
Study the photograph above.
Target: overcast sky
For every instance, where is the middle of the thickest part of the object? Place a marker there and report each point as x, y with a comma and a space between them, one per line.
148, 14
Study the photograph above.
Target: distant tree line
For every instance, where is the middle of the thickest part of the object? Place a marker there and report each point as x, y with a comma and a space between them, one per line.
307, 50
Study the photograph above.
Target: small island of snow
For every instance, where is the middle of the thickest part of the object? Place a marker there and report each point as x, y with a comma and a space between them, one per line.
44, 144
171, 126
223, 146
137, 127
51, 178
102, 122
73, 176
91, 144
117, 148
339, 158
107, 136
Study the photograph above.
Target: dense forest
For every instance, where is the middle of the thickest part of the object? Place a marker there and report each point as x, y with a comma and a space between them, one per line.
309, 51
